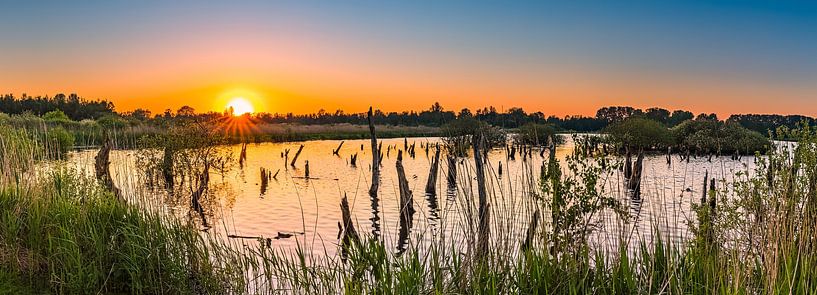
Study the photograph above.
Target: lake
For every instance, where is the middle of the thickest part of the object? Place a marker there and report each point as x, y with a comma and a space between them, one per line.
295, 210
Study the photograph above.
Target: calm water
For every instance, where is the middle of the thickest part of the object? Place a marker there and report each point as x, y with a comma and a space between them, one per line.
308, 209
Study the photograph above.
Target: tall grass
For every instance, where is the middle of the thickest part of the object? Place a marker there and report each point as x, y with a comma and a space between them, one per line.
61, 232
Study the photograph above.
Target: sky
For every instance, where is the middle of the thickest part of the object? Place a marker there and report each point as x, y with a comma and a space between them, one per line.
560, 57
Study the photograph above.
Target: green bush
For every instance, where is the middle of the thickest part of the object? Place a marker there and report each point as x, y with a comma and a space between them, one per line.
60, 140
56, 116
457, 135
538, 134
640, 133
712, 136
112, 121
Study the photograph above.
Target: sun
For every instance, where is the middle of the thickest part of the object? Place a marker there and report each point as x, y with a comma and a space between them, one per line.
240, 106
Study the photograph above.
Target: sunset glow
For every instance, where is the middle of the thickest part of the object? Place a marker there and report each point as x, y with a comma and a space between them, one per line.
240, 106
559, 58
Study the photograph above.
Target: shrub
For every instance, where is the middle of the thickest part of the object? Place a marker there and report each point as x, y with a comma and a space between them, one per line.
718, 137
538, 134
639, 133
60, 140
112, 121
457, 135
56, 116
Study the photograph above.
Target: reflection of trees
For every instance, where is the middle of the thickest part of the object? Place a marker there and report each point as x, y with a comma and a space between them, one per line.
182, 160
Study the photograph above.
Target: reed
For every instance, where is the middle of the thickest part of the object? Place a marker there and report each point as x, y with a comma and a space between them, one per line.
65, 232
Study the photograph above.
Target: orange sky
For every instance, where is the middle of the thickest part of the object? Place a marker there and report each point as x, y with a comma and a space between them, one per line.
294, 57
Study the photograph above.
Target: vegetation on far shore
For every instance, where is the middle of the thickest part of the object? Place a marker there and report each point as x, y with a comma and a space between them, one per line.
64, 232
699, 136
86, 118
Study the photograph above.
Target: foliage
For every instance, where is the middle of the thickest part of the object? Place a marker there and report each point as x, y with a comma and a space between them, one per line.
639, 133
75, 107
56, 116
575, 197
457, 135
59, 140
67, 235
538, 134
712, 136
112, 122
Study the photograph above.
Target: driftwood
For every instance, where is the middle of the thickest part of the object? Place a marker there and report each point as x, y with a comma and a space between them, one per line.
500, 168
431, 185
482, 243
103, 172
298, 153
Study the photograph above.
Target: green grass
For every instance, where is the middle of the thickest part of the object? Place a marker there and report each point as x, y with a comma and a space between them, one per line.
62, 233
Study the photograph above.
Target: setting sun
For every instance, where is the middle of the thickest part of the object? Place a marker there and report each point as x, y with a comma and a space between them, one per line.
240, 106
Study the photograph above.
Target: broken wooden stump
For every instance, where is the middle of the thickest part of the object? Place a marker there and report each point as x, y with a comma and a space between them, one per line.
306, 169
482, 241
431, 185
337, 150
375, 184
103, 173
298, 153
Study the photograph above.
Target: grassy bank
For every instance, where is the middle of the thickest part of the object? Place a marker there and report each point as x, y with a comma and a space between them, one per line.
61, 232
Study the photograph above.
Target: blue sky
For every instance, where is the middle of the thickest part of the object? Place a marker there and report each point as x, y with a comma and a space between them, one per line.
717, 56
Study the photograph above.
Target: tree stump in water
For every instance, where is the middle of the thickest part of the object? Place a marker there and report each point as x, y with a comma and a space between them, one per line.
102, 168
431, 185
298, 153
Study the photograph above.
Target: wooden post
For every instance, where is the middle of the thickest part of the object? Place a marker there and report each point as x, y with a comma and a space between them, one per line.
167, 167
431, 185
406, 199
703, 192
298, 153
348, 232
375, 177
306, 169
337, 150
529, 235
482, 243
103, 172
452, 170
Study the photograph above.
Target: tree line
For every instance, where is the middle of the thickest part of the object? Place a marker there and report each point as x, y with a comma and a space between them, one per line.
78, 108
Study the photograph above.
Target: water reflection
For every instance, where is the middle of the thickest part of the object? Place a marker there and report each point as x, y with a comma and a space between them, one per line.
245, 202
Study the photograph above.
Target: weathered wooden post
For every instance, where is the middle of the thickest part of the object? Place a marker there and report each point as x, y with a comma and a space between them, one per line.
375, 178
306, 169
103, 173
406, 198
337, 150
431, 185
298, 153
482, 243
